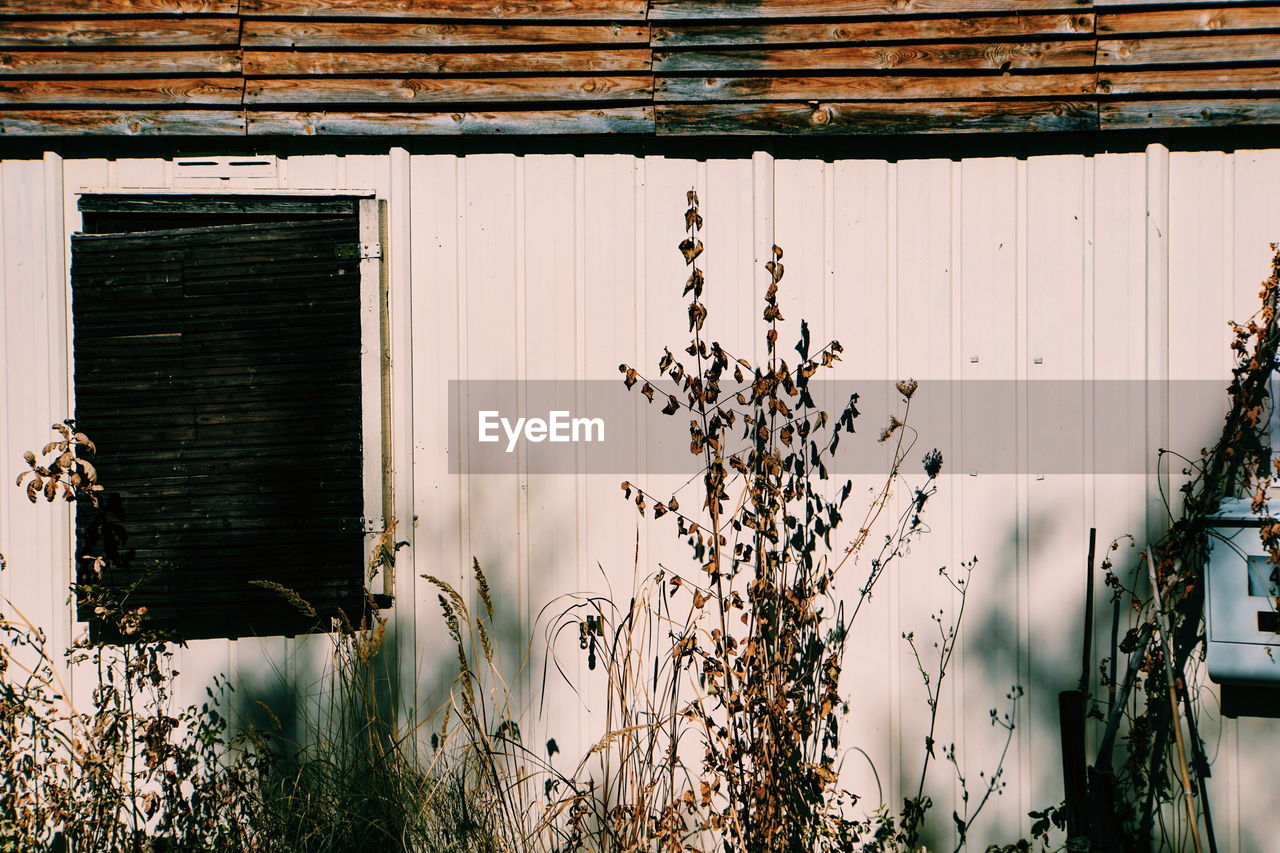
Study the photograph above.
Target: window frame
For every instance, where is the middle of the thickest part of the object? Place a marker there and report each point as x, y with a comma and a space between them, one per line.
377, 473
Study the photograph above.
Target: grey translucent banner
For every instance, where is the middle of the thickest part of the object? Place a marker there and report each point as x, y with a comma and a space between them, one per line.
980, 426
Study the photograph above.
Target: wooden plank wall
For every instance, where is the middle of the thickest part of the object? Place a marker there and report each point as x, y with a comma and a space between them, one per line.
679, 67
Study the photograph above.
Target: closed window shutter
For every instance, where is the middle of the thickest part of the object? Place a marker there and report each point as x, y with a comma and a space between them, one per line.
218, 371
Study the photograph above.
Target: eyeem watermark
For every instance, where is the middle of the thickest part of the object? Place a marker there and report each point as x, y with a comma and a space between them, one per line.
558, 426
1037, 427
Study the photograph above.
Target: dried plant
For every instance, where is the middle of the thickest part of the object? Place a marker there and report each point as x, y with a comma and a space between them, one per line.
127, 769
723, 705
1140, 802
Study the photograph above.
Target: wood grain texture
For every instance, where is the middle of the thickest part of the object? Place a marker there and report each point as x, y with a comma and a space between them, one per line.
1103, 3
1129, 115
906, 29
961, 55
1172, 80
203, 518
259, 63
100, 34
94, 122
183, 90
52, 8
613, 120
447, 90
1218, 19
304, 67
1182, 50
732, 9
320, 34
55, 63
134, 203
855, 87
576, 10
877, 118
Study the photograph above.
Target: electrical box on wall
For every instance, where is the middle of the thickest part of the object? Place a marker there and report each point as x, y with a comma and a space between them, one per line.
1242, 605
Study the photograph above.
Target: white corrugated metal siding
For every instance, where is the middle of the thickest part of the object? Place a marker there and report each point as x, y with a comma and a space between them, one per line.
558, 266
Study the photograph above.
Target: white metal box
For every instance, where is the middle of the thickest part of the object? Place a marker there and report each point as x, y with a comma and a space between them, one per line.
1241, 591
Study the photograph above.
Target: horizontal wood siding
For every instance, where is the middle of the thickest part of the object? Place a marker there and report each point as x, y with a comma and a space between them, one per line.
302, 67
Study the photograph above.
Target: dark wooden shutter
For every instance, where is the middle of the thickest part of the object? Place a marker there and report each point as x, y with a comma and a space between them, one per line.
217, 369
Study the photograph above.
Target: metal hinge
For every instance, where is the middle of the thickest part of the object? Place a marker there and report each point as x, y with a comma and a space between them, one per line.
374, 525
365, 251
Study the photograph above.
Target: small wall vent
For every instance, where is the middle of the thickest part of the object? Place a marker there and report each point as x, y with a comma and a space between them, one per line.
212, 170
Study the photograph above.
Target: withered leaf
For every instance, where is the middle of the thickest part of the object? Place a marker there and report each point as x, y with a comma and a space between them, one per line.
690, 249
775, 270
672, 406
694, 283
697, 316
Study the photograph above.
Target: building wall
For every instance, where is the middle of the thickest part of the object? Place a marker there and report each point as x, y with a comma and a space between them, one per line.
1114, 266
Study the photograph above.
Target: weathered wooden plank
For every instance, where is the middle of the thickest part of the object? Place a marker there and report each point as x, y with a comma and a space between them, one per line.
303, 63
348, 34
120, 32
1216, 19
1182, 50
510, 10
961, 55
857, 87
905, 29
118, 63
219, 205
876, 118
1125, 115
182, 90
204, 235
1189, 80
613, 120
118, 123
51, 8
732, 9
445, 90
1103, 3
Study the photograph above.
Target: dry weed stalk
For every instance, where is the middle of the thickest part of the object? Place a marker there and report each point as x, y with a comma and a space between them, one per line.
723, 703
